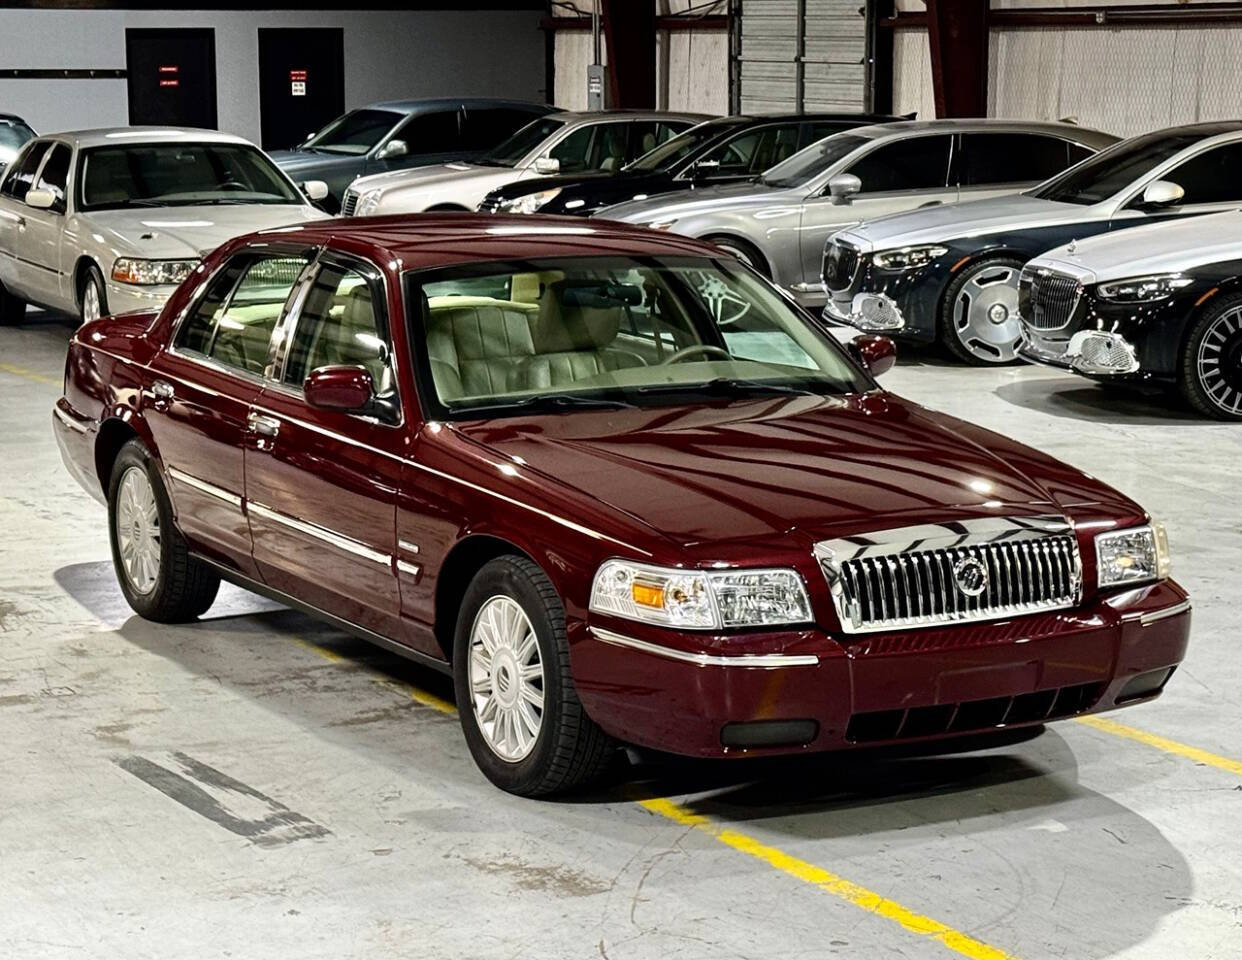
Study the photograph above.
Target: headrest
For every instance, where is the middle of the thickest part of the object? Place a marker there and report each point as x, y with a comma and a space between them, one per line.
590, 315
528, 287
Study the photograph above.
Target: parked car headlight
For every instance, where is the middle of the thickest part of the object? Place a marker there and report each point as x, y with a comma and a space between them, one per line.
152, 273
1132, 556
530, 203
1143, 289
908, 258
700, 599
368, 203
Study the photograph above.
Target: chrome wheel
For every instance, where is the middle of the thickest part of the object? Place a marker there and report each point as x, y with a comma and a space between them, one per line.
506, 678
985, 313
138, 530
91, 309
726, 306
1218, 362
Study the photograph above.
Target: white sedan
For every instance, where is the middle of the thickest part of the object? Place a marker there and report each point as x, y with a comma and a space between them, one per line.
103, 222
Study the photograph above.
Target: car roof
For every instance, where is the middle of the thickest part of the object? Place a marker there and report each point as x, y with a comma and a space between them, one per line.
1072, 131
431, 103
871, 119
117, 136
577, 116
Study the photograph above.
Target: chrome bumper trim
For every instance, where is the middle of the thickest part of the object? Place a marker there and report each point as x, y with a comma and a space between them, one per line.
338, 540
766, 661
68, 421
202, 486
1070, 356
893, 319
1155, 616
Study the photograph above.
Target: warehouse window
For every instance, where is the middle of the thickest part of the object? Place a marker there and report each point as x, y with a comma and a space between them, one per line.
917, 163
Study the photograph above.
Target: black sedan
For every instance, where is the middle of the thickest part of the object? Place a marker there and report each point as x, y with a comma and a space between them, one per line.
724, 150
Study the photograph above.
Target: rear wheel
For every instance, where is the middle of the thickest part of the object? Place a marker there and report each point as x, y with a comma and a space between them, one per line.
1211, 369
92, 296
12, 309
519, 710
159, 578
746, 252
979, 316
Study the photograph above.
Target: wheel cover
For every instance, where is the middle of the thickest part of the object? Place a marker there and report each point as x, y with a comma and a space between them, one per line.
1218, 362
985, 313
726, 306
506, 679
138, 530
91, 309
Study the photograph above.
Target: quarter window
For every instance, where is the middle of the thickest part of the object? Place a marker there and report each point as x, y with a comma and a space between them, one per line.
917, 163
988, 158
233, 323
21, 178
55, 175
1210, 177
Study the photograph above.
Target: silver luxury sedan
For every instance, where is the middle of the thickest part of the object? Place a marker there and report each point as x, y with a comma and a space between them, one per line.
779, 222
104, 222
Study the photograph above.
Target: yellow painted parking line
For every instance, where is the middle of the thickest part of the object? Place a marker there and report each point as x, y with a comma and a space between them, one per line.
27, 374
829, 882
1164, 744
415, 694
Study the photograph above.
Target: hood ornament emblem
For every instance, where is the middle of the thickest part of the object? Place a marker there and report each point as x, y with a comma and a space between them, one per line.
971, 576
1073, 247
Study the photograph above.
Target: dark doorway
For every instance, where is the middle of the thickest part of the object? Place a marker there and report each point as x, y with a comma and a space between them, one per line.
301, 82
172, 77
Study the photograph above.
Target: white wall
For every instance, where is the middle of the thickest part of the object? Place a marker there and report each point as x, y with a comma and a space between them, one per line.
388, 55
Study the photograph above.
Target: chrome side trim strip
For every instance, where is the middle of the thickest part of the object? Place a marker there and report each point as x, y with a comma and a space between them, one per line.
68, 421
760, 660
338, 540
1155, 616
204, 487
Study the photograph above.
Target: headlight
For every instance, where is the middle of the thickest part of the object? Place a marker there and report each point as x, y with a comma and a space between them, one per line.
1132, 556
1143, 289
367, 203
908, 258
529, 203
700, 599
152, 273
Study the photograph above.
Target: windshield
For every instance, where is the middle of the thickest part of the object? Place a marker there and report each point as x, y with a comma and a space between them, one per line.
356, 133
13, 136
807, 164
508, 153
495, 339
670, 151
180, 175
1110, 171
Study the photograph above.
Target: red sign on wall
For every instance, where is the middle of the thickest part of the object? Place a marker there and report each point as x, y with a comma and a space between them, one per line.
170, 75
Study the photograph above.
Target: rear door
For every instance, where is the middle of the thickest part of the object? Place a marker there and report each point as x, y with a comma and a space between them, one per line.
14, 249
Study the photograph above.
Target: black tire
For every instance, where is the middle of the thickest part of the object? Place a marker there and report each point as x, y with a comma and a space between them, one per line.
184, 588
12, 309
569, 749
748, 253
91, 276
947, 329
1210, 372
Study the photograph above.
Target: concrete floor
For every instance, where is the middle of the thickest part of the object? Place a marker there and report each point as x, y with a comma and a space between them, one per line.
259, 786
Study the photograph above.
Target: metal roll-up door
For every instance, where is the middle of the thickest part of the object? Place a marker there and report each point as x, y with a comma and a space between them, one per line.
793, 55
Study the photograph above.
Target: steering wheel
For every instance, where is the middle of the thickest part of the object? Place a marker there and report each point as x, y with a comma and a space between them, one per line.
233, 185
693, 349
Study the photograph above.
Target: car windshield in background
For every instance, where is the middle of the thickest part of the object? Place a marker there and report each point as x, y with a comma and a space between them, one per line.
807, 164
1109, 171
670, 151
13, 136
554, 334
508, 153
356, 133
180, 174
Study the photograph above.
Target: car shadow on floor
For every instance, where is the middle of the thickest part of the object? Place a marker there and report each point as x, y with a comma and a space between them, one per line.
1079, 399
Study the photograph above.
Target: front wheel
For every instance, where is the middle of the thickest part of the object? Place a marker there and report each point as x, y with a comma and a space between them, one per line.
523, 722
1210, 377
979, 316
159, 578
92, 296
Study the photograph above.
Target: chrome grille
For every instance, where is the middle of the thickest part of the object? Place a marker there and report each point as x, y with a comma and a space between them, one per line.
840, 265
932, 575
1053, 299
349, 203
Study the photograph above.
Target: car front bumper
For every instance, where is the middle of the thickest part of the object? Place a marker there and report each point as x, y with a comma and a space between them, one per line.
812, 692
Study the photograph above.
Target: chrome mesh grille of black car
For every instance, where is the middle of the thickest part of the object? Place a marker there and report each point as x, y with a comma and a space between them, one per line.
952, 573
349, 204
840, 265
1053, 299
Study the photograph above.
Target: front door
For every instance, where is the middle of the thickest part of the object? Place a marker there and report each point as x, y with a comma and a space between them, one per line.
301, 82
14, 246
171, 75
321, 485
42, 272
201, 397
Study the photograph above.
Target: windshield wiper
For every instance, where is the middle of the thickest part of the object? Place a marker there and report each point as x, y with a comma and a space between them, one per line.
567, 401
728, 387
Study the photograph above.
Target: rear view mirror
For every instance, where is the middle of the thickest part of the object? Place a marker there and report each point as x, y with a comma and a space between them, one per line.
842, 187
40, 199
393, 149
546, 165
315, 190
344, 388
877, 354
1162, 193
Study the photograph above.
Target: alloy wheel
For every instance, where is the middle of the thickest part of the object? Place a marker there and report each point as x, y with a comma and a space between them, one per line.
1218, 362
91, 310
506, 678
985, 313
138, 530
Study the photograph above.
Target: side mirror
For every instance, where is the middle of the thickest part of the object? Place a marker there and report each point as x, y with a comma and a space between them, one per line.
315, 190
40, 199
1162, 193
877, 354
547, 165
393, 149
842, 188
345, 388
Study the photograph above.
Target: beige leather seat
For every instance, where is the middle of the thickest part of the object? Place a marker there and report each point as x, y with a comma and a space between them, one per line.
476, 345
573, 342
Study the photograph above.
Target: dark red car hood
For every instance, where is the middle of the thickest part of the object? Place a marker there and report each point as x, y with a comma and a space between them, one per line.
803, 466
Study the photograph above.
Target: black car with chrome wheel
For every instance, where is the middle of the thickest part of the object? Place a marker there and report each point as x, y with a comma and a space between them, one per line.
1159, 305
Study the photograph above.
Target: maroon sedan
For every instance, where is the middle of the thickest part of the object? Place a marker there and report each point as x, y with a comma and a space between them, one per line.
617, 484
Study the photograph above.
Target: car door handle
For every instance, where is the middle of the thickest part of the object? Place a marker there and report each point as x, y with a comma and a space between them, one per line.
264, 426
162, 390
